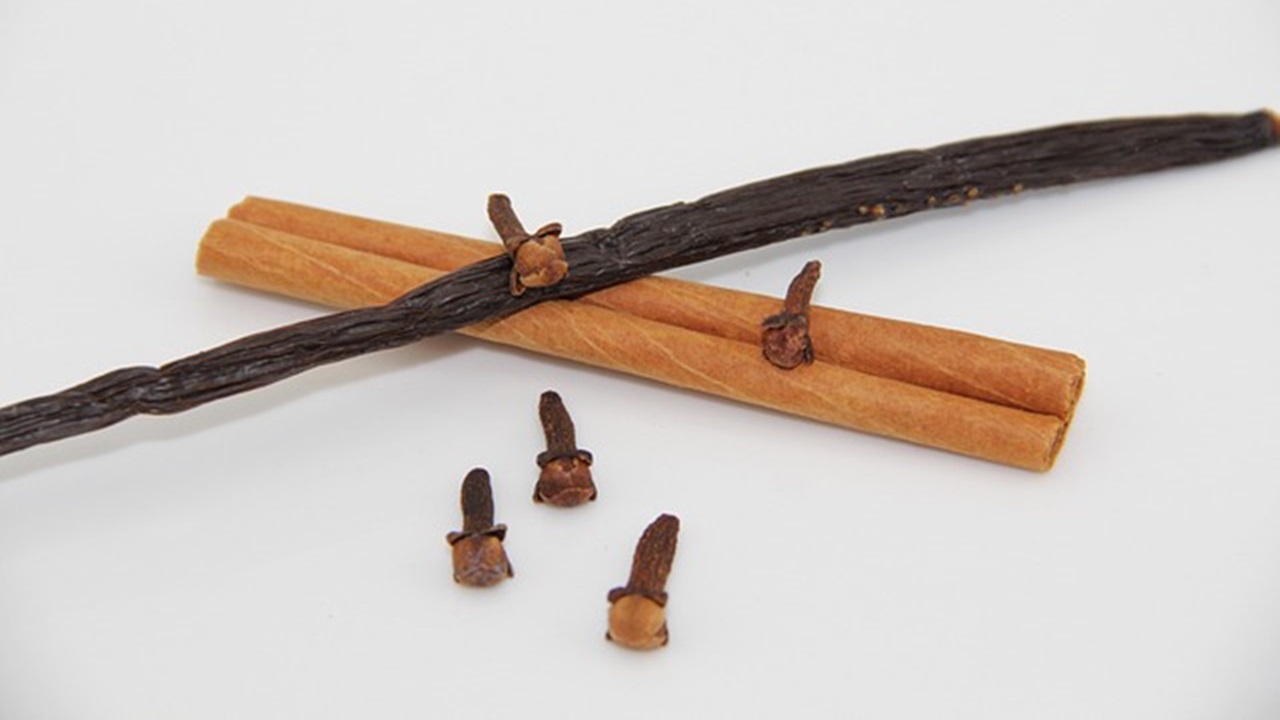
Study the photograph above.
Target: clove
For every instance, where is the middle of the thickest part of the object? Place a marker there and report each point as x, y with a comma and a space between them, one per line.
637, 610
479, 560
565, 480
785, 340
537, 260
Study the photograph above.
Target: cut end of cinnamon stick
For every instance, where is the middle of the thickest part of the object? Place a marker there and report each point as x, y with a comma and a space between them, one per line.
1055, 447
1275, 125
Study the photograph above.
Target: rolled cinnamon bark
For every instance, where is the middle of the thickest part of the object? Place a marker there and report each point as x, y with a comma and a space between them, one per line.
984, 368
307, 268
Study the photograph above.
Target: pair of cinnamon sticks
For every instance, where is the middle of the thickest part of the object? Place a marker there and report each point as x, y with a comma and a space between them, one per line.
987, 398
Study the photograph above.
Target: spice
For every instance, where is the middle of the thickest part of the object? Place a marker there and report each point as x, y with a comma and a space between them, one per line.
731, 221
785, 338
537, 260
479, 559
637, 610
565, 480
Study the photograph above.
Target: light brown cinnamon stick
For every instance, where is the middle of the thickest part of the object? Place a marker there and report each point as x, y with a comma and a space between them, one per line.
308, 268
1011, 374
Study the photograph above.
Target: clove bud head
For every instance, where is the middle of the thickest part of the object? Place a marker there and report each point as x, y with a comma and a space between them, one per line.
479, 560
539, 261
565, 481
786, 342
638, 622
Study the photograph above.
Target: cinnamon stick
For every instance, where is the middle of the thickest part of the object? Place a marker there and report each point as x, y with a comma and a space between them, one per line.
301, 267
984, 368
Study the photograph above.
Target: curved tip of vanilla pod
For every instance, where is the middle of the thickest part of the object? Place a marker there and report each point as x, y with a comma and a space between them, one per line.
1275, 124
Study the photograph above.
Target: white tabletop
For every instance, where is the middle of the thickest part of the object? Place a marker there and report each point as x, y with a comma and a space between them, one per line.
281, 553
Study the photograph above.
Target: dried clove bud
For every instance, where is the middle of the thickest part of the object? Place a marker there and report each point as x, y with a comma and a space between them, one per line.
637, 611
537, 260
479, 560
565, 480
786, 342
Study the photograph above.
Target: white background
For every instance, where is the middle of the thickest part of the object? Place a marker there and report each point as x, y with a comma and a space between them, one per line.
281, 554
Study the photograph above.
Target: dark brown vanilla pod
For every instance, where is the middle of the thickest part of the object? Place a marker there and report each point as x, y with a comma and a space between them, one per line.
743, 218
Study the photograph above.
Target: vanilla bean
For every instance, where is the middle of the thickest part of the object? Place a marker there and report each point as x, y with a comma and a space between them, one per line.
739, 219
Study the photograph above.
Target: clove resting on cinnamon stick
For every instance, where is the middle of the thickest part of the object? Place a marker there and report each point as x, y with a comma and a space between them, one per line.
648, 242
785, 339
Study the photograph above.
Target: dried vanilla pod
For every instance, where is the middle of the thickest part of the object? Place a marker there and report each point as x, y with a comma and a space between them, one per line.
742, 218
